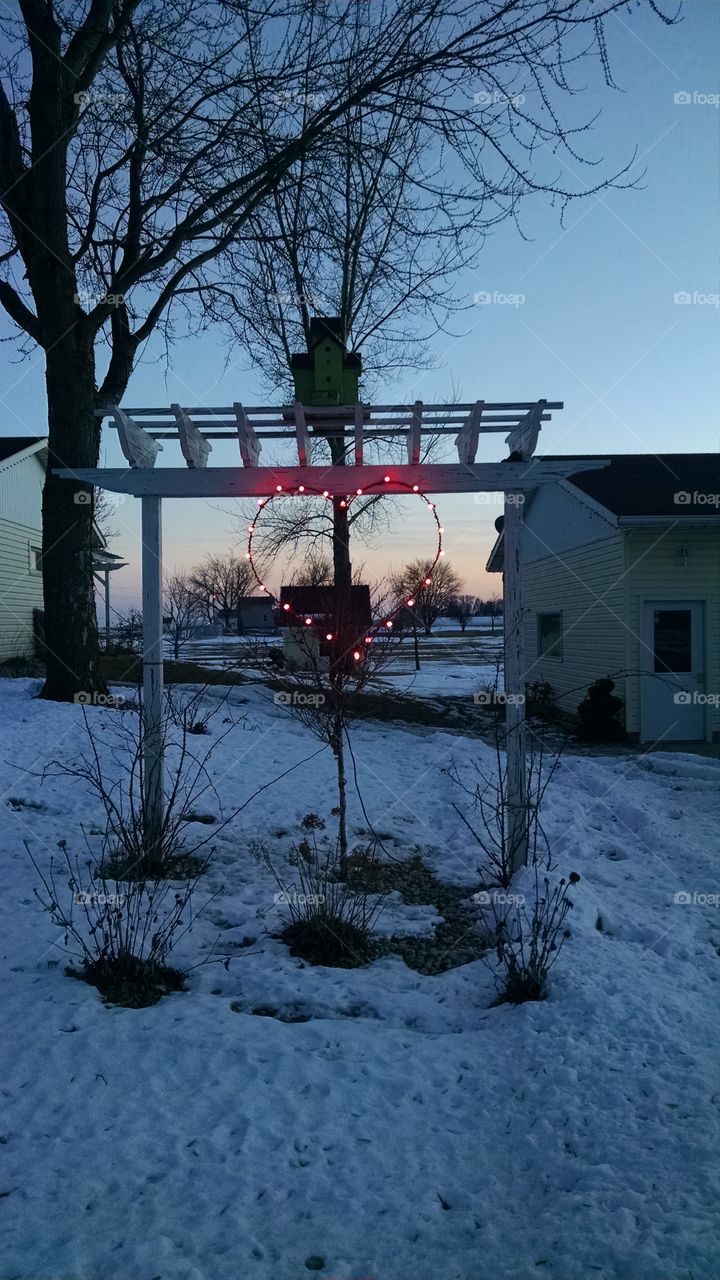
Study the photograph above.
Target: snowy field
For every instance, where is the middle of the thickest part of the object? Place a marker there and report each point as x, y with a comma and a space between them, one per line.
452, 663
407, 1130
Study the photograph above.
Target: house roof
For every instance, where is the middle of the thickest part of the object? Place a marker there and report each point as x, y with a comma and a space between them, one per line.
643, 484
12, 445
641, 487
320, 601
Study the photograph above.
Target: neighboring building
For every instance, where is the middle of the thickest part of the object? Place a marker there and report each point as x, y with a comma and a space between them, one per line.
318, 605
22, 476
23, 460
253, 614
621, 578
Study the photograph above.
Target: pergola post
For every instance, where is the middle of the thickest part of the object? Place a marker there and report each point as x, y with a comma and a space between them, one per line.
516, 775
152, 709
107, 608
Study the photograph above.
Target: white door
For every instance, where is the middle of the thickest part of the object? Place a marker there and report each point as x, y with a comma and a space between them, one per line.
672, 687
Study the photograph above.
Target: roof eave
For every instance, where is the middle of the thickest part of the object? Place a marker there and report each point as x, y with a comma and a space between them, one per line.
39, 446
625, 522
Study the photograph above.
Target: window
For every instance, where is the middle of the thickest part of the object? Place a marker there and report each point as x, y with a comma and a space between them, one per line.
549, 635
36, 560
672, 635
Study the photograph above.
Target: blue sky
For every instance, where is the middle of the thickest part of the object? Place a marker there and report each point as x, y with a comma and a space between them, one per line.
599, 326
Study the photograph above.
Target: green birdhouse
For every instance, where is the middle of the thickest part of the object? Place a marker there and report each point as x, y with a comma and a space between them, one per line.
328, 373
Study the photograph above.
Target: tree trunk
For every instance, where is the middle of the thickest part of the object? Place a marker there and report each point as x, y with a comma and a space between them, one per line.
338, 747
342, 568
71, 632
342, 646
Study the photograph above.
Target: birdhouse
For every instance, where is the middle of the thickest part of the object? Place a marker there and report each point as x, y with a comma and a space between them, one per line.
328, 373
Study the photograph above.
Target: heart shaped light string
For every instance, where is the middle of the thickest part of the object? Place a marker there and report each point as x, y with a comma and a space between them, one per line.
387, 622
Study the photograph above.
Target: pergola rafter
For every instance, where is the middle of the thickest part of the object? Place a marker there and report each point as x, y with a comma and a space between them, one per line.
145, 432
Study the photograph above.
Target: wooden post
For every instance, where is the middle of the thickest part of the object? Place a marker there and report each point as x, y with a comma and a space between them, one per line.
107, 609
516, 776
153, 779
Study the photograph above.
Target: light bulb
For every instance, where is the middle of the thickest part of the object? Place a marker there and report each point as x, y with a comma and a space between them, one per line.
301, 488
329, 635
410, 602
427, 582
388, 623
278, 488
308, 622
416, 488
356, 655
286, 607
386, 479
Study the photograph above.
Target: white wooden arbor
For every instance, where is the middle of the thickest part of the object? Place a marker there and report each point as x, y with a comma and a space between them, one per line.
141, 433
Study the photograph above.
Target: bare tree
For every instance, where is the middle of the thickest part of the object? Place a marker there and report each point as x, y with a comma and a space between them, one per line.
315, 570
218, 585
432, 588
324, 691
461, 609
181, 609
104, 513
139, 141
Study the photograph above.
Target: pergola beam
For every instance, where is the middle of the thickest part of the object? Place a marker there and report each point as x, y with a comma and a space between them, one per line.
236, 482
347, 411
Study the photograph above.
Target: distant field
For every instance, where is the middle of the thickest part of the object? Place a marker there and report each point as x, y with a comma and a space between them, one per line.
451, 663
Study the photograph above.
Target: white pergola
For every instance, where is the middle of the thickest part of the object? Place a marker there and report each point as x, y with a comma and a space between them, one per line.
141, 433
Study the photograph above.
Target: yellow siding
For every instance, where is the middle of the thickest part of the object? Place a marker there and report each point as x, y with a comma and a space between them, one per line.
656, 569
20, 588
586, 586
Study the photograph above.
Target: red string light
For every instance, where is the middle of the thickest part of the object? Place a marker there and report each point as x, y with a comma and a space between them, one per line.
385, 624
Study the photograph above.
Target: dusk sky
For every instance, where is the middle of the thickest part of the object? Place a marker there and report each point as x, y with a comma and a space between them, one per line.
616, 314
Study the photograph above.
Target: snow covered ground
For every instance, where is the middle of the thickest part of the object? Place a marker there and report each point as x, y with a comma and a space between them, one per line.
452, 663
407, 1130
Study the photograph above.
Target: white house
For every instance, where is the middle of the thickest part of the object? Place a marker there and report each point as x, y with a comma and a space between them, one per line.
22, 476
621, 578
23, 460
